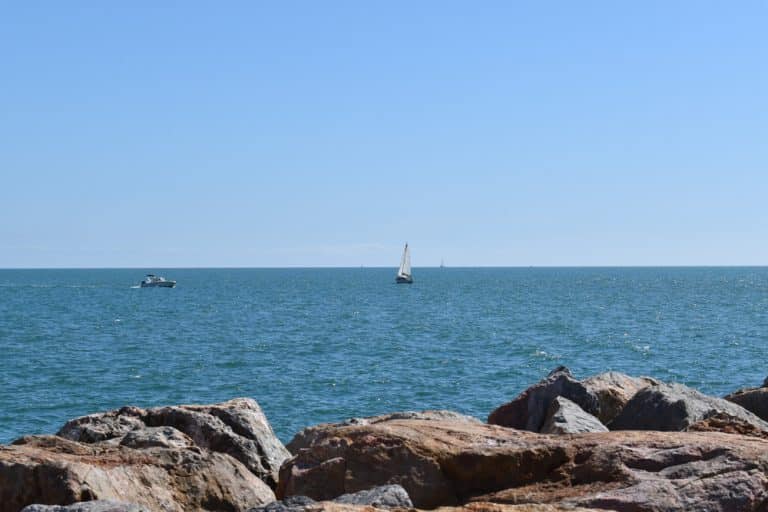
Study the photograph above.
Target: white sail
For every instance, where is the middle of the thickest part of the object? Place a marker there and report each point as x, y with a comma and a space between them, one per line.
405, 263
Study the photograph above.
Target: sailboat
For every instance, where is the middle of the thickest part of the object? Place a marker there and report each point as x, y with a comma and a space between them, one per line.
404, 272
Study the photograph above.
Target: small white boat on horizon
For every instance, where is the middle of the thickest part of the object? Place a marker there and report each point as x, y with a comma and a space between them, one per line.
153, 281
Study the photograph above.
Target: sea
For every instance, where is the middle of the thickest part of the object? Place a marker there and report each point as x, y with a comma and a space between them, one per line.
324, 345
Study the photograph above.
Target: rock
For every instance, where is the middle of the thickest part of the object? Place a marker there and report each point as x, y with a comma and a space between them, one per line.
237, 428
333, 506
442, 463
88, 506
755, 400
676, 407
528, 411
289, 504
385, 497
165, 437
565, 417
613, 391
54, 470
103, 426
306, 436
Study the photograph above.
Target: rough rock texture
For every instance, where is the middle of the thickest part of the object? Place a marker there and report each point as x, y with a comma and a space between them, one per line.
565, 417
676, 407
452, 462
54, 470
385, 496
755, 400
237, 428
89, 506
307, 436
289, 504
308, 505
528, 411
613, 391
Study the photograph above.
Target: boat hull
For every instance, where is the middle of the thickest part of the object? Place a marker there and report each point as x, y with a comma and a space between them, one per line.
404, 280
162, 284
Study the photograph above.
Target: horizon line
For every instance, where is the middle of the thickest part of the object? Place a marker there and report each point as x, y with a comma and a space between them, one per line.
346, 267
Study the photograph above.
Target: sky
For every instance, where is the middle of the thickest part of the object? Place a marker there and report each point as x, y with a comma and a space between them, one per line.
278, 134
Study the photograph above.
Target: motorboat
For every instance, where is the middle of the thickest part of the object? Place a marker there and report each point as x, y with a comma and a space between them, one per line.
153, 281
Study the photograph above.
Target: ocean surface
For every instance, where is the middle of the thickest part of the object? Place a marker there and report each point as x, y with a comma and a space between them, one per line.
318, 345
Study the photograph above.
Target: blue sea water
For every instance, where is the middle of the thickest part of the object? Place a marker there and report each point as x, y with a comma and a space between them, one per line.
316, 345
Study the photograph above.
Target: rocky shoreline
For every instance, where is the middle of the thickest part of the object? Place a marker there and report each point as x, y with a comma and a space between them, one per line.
607, 442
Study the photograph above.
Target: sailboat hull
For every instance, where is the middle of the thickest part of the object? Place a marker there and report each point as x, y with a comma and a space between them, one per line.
404, 280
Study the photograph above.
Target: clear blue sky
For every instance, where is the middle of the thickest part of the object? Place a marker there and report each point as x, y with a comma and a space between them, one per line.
329, 133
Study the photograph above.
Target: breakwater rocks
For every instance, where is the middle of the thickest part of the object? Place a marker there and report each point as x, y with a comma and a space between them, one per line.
608, 442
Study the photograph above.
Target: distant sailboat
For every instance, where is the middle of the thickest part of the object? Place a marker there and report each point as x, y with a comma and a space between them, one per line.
404, 272
442, 263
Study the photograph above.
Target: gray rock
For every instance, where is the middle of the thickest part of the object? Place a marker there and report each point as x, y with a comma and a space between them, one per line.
675, 407
289, 504
88, 506
237, 428
385, 496
103, 426
528, 411
755, 400
565, 417
149, 437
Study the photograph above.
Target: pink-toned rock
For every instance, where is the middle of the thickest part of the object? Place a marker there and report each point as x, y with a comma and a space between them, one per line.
53, 470
448, 462
755, 400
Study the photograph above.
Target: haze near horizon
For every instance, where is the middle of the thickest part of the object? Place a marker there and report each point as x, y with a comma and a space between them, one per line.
300, 134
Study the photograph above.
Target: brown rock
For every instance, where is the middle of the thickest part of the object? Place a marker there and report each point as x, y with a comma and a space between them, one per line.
451, 462
237, 428
755, 400
54, 470
613, 391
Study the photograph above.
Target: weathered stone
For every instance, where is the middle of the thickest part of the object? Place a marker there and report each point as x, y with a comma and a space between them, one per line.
451, 462
306, 436
614, 390
289, 504
237, 428
88, 506
755, 400
332, 506
164, 437
565, 417
54, 470
528, 411
103, 426
385, 497
676, 407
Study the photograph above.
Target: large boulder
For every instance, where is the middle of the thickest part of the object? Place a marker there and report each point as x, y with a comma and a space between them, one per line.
755, 400
54, 470
614, 390
306, 437
565, 417
237, 428
528, 411
677, 407
603, 396
451, 462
